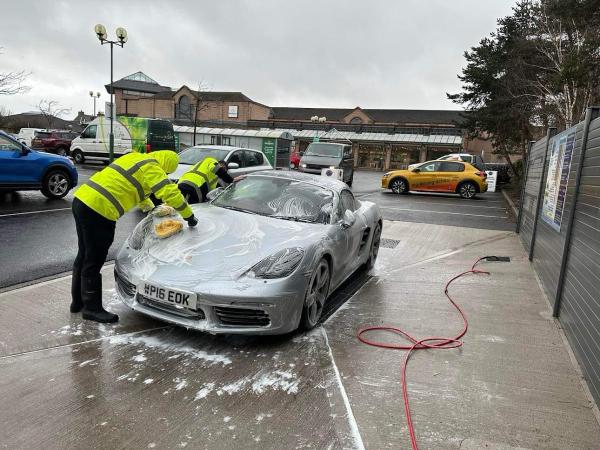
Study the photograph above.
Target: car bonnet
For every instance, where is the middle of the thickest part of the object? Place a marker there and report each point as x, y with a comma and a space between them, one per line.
223, 246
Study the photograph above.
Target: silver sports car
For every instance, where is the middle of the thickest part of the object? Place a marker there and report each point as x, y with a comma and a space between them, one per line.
263, 259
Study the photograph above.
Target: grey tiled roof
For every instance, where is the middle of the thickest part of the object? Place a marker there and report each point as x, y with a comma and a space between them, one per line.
396, 116
140, 86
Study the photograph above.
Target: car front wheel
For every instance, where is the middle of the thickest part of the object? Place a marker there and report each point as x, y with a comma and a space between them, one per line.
316, 294
374, 250
467, 190
399, 186
56, 184
78, 156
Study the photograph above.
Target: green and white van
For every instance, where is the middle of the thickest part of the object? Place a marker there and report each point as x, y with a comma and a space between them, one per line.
131, 134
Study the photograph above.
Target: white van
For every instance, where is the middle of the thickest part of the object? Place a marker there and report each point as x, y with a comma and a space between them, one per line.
26, 135
137, 134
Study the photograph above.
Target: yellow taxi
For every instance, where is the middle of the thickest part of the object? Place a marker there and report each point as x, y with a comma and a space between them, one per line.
457, 177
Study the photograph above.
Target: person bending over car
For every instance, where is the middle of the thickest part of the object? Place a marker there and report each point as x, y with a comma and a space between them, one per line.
97, 206
202, 178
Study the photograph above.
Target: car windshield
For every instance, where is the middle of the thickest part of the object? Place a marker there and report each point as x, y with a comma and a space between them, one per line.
280, 198
334, 151
194, 155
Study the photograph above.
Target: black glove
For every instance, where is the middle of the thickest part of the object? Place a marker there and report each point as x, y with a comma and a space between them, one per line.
192, 221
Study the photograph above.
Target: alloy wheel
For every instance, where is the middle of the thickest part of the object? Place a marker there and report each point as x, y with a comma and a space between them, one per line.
398, 186
58, 184
317, 294
467, 190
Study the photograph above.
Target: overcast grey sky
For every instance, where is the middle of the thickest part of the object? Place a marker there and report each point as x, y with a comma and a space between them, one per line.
326, 53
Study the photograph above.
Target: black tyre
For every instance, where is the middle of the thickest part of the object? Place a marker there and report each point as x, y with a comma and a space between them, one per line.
399, 186
467, 190
374, 249
349, 183
78, 156
62, 151
56, 184
316, 294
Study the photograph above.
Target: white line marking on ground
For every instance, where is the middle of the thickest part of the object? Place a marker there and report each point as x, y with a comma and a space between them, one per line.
441, 212
358, 442
34, 212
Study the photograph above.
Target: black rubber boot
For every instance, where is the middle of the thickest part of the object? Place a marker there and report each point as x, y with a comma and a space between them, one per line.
91, 295
76, 302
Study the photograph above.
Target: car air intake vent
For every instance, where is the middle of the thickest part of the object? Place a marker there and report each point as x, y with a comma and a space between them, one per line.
126, 288
241, 317
315, 166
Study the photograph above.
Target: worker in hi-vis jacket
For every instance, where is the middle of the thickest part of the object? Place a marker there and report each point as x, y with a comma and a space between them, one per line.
97, 206
202, 178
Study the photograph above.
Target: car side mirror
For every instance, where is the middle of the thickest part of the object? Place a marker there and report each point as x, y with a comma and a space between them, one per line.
348, 219
214, 193
24, 151
416, 170
233, 165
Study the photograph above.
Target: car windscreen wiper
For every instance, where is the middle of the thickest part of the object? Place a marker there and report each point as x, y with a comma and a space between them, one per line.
295, 219
235, 208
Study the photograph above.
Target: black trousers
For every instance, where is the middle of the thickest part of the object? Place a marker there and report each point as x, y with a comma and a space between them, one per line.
95, 234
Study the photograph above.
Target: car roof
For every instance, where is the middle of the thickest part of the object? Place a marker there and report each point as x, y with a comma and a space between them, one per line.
228, 148
318, 180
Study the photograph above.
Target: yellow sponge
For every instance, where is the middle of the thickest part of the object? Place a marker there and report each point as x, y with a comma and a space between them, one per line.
168, 228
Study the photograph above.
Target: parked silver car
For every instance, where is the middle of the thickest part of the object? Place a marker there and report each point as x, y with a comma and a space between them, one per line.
241, 161
267, 252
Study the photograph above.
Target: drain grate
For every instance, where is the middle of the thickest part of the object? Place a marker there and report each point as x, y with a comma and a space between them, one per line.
388, 243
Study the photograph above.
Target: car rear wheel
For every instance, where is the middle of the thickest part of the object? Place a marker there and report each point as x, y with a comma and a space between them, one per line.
374, 250
56, 184
467, 190
316, 294
78, 156
399, 186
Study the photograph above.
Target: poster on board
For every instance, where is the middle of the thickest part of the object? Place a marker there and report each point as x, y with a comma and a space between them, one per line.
559, 166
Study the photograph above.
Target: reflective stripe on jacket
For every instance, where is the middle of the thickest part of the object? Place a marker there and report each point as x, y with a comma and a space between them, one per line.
129, 181
203, 172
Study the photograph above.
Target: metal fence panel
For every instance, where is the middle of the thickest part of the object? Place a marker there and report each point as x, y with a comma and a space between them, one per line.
532, 186
580, 306
549, 243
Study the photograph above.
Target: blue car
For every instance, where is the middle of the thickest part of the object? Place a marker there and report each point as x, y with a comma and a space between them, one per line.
22, 168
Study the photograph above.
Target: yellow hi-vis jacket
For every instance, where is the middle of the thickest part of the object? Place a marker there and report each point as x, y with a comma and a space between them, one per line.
129, 181
203, 172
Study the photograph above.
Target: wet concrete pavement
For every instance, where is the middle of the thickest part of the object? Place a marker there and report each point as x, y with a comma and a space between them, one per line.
145, 384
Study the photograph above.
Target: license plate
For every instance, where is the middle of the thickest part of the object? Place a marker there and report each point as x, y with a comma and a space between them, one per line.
171, 297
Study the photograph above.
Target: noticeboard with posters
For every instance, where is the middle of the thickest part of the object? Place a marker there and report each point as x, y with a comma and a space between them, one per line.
559, 166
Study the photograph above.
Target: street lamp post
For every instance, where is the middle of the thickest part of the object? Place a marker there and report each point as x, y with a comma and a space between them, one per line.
317, 119
121, 33
94, 96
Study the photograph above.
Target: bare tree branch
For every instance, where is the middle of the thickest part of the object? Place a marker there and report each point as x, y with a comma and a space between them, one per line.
51, 110
12, 83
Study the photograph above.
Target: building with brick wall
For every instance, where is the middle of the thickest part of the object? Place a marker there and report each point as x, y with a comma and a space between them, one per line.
381, 139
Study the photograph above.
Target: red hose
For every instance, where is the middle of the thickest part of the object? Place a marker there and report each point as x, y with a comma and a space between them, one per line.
421, 344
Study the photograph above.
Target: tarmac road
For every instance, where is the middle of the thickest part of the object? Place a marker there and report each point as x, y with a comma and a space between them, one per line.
38, 237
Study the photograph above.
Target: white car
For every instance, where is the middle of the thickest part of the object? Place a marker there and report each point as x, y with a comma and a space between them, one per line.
27, 134
241, 161
475, 160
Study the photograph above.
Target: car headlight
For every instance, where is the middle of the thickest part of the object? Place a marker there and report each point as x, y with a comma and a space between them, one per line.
140, 232
303, 166
278, 265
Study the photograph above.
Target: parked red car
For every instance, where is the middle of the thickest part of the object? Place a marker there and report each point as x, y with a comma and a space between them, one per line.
53, 141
